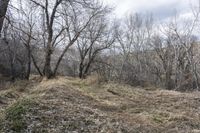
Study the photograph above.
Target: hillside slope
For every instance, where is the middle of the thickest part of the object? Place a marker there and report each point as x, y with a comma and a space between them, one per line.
71, 105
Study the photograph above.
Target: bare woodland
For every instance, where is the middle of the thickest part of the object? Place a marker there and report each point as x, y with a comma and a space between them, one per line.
80, 38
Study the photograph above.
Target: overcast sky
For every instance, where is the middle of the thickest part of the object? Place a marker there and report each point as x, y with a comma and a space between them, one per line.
161, 9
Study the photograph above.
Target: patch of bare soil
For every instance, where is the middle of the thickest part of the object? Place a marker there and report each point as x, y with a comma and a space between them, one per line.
71, 105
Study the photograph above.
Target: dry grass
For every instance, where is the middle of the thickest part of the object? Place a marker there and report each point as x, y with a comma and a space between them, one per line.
67, 104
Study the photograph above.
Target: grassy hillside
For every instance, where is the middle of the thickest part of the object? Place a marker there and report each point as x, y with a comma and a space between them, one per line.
73, 105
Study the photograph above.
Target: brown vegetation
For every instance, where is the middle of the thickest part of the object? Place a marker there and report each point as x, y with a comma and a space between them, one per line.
68, 104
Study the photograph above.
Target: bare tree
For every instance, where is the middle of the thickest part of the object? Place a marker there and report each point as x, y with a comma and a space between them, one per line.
95, 39
14, 54
3, 10
49, 19
61, 18
25, 26
133, 36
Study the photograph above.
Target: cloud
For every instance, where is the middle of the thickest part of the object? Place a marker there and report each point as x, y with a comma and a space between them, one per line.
161, 9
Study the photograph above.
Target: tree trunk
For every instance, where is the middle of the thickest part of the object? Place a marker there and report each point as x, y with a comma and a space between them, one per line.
47, 67
3, 10
85, 73
81, 67
28, 64
168, 81
36, 66
12, 71
63, 53
59, 60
